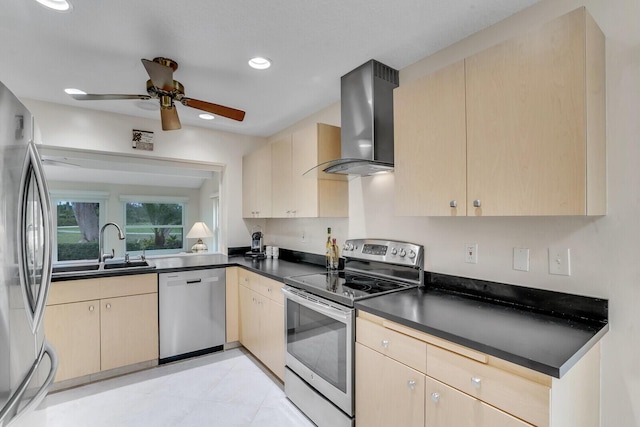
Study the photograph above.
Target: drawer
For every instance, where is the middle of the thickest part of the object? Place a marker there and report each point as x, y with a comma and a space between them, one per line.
271, 289
249, 279
404, 349
74, 291
446, 406
511, 393
135, 284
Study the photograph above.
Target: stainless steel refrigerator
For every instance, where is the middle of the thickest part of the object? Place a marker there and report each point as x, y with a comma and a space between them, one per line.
27, 362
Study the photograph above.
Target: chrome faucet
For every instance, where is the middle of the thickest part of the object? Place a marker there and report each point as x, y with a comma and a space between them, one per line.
104, 256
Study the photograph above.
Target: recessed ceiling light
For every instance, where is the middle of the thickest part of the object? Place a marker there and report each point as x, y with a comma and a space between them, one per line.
206, 117
73, 91
57, 5
260, 63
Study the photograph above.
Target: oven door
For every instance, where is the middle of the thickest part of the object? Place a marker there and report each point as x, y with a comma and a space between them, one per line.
319, 338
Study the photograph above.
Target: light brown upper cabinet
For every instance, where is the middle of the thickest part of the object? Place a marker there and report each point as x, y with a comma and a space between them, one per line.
535, 129
256, 184
295, 195
430, 145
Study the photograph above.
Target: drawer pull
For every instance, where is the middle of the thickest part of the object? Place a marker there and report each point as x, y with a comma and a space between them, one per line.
435, 397
411, 384
91, 308
475, 381
108, 306
385, 343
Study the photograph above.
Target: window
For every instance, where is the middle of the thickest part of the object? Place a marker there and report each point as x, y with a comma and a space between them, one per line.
152, 226
77, 224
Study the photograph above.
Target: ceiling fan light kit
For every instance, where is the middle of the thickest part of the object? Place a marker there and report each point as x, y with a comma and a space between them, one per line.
57, 5
163, 87
260, 63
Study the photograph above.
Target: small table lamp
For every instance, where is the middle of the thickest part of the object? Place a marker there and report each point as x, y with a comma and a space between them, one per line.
198, 231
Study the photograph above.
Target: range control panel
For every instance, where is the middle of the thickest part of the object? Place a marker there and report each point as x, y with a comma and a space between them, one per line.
402, 253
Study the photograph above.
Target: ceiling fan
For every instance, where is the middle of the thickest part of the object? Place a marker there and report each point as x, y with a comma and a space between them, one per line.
162, 86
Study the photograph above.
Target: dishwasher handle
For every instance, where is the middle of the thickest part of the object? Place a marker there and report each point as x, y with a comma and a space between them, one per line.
194, 281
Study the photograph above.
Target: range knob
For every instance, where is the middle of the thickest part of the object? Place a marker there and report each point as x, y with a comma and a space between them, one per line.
402, 253
412, 254
348, 246
394, 251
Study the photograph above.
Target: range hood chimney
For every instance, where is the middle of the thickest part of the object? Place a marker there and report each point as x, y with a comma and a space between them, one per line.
367, 121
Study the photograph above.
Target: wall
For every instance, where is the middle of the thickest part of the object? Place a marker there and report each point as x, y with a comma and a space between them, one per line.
604, 250
71, 127
115, 211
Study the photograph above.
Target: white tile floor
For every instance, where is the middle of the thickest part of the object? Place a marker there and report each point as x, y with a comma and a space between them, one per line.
222, 389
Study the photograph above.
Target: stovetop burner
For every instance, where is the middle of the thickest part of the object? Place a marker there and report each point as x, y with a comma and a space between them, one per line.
372, 268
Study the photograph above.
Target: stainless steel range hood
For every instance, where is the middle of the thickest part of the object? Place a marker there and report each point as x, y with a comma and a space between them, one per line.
367, 121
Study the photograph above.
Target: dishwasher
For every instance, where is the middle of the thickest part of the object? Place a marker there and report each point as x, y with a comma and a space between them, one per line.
192, 313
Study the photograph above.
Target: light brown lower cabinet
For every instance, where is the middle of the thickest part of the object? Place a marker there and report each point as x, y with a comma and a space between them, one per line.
410, 378
261, 312
74, 331
381, 379
102, 323
446, 406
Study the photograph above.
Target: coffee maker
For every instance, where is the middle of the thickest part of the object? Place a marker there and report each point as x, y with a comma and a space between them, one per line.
256, 251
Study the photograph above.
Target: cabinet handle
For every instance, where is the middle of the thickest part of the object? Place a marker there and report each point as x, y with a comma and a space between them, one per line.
475, 381
453, 204
477, 203
435, 397
411, 384
269, 290
91, 308
108, 306
385, 343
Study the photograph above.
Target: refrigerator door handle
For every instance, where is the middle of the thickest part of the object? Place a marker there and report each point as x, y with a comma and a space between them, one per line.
12, 405
33, 166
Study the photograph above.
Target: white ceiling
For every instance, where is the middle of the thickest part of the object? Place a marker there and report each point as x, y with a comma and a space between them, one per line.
98, 46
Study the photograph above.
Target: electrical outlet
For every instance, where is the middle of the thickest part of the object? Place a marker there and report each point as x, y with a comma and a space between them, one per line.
521, 259
560, 261
471, 253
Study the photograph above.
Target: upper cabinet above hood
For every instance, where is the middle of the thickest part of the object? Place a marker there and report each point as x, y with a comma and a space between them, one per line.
367, 121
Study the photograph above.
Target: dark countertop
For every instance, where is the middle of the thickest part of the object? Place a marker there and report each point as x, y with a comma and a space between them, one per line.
546, 341
275, 269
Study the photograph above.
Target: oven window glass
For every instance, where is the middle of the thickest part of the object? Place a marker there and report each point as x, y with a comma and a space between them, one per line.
319, 342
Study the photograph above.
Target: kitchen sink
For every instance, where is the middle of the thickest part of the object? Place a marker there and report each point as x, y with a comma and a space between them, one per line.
96, 269
125, 265
75, 268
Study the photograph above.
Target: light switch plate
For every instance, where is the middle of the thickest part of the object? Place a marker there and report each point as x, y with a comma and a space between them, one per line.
560, 261
521, 259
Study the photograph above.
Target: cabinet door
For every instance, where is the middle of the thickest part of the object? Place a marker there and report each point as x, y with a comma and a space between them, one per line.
281, 176
526, 123
249, 186
304, 156
232, 305
446, 406
272, 333
388, 393
249, 320
74, 331
262, 182
129, 330
430, 144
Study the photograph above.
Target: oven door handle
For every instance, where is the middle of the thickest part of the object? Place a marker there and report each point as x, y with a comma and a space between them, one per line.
316, 304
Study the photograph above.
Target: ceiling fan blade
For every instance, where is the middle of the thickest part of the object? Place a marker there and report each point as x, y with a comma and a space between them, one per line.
216, 109
106, 97
170, 120
161, 76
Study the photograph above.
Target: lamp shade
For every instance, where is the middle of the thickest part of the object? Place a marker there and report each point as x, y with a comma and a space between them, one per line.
199, 230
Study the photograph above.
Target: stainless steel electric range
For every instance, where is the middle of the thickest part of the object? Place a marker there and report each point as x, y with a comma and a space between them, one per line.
320, 323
